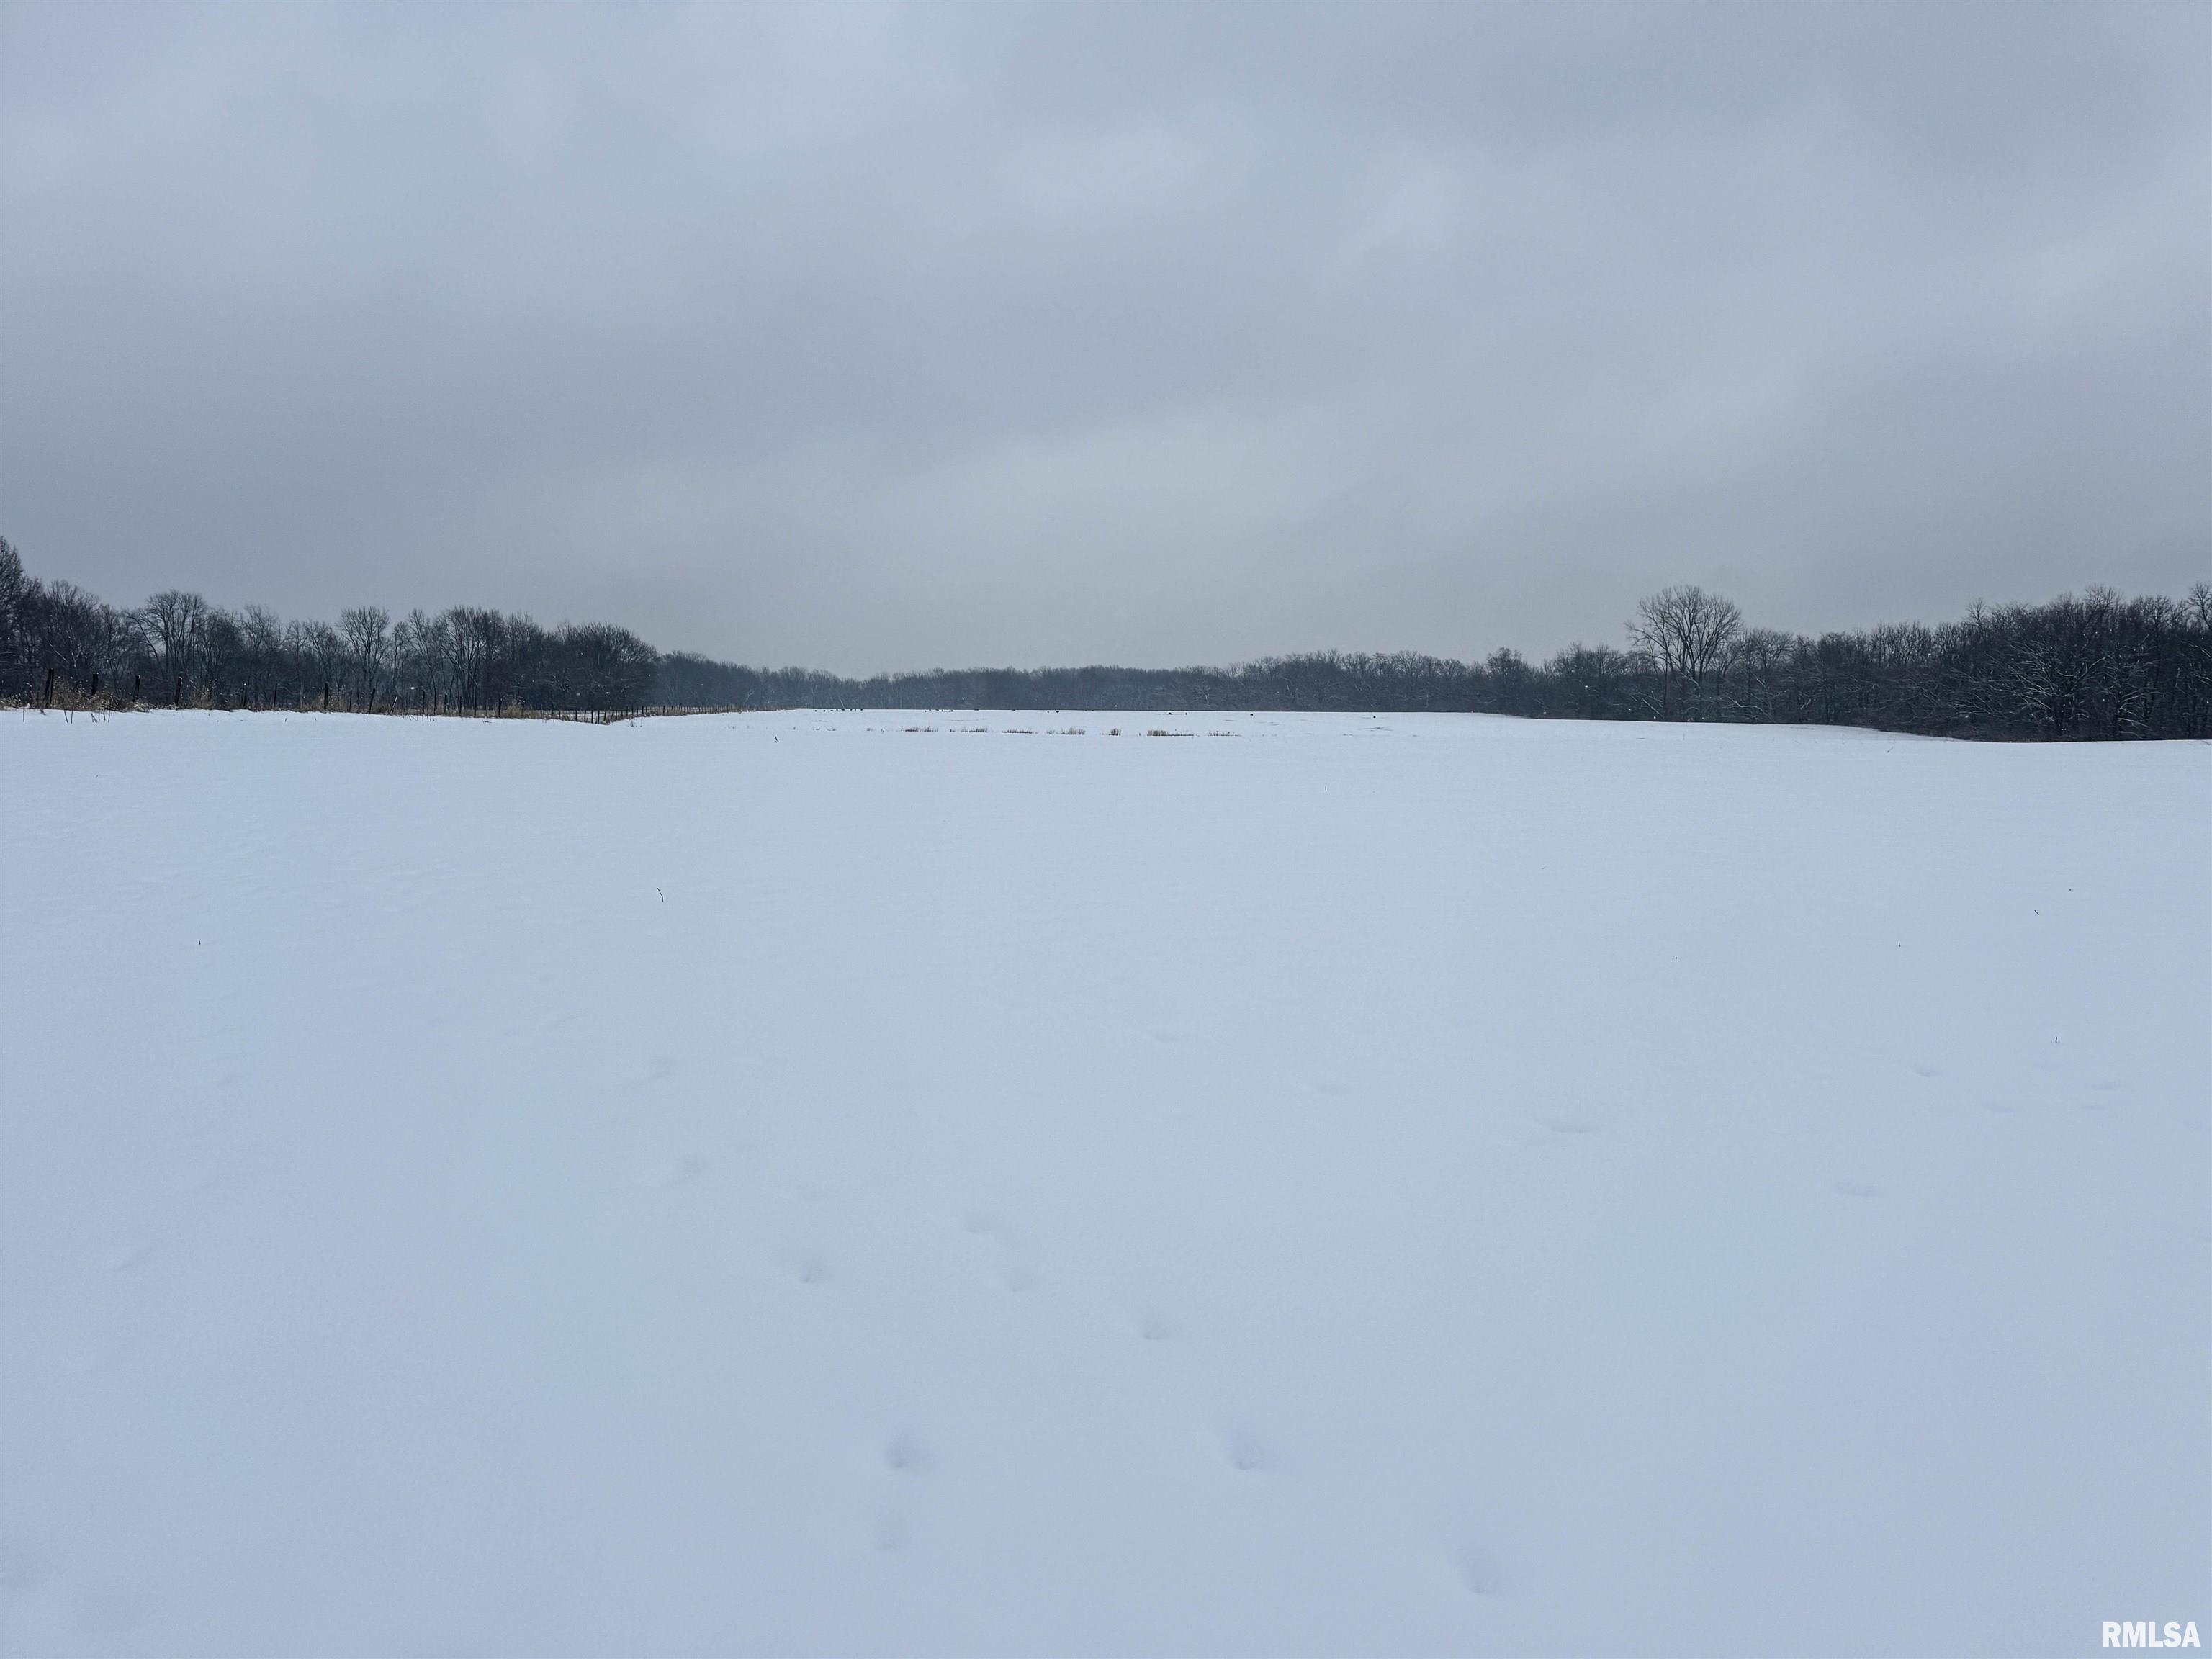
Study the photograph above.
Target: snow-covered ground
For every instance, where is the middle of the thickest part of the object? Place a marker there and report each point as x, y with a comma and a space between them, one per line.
1383, 1185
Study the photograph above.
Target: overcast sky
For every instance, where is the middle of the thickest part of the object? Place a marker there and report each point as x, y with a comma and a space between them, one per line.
879, 338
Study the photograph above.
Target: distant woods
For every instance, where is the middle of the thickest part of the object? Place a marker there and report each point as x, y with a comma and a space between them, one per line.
2091, 665
178, 648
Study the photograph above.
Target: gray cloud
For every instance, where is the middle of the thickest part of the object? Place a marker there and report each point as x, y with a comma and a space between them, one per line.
889, 337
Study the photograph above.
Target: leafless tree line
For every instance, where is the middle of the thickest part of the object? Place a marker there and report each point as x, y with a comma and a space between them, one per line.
178, 648
2095, 665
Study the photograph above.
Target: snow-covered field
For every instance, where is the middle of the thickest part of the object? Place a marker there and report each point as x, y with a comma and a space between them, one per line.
1383, 1185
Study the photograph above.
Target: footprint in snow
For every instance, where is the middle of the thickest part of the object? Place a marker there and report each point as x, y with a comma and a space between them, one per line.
21, 1568
1248, 1452
656, 1171
1478, 1569
906, 1452
124, 1257
109, 1612
814, 1271
1013, 1272
892, 1534
1157, 1328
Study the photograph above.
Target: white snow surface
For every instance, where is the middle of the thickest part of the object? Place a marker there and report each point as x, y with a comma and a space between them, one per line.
792, 1184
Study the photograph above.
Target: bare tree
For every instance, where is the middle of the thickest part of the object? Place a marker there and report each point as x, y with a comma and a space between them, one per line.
470, 635
320, 650
368, 632
73, 633
1757, 673
14, 645
1512, 683
1688, 631
175, 620
262, 649
418, 658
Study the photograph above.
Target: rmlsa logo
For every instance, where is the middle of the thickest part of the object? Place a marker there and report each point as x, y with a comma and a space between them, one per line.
2150, 1636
